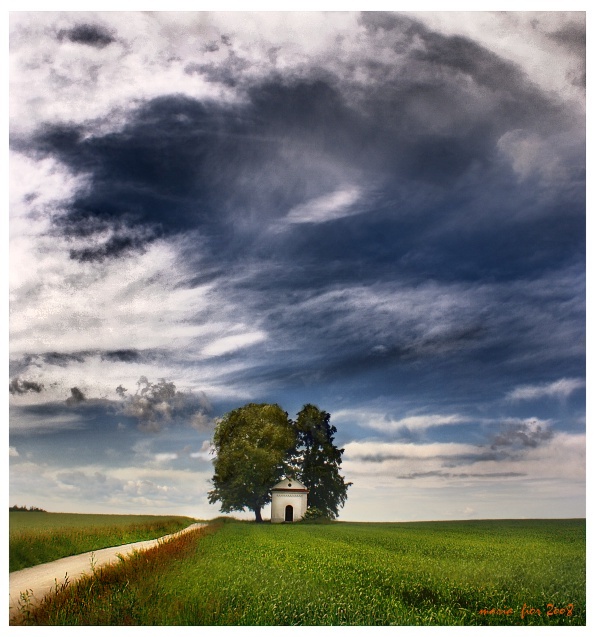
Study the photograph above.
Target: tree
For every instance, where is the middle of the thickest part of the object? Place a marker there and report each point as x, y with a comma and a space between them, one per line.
317, 461
252, 444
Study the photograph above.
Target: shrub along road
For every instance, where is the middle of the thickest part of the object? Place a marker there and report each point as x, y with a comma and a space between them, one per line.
37, 581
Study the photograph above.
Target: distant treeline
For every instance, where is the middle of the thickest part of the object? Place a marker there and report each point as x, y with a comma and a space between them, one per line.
18, 508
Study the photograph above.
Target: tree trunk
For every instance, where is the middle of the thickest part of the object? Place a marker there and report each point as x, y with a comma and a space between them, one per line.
258, 517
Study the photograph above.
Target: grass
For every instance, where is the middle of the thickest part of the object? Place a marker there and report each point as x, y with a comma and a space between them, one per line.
36, 538
491, 572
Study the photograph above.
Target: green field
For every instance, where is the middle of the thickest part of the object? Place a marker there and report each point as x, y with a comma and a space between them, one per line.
37, 537
493, 572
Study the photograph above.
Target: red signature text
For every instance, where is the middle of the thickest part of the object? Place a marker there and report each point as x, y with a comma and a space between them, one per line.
551, 611
526, 610
564, 610
496, 611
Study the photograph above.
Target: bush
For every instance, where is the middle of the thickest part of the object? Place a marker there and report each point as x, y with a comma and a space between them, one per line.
16, 507
313, 514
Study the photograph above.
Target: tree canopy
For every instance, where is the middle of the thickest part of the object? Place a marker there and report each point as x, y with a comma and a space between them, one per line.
256, 445
252, 444
318, 461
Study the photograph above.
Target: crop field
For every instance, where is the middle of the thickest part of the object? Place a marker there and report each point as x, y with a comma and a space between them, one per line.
492, 572
37, 537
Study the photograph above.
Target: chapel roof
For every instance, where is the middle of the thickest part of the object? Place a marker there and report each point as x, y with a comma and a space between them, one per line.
289, 484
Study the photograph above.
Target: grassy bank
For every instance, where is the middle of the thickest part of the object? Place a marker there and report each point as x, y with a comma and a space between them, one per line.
36, 538
447, 573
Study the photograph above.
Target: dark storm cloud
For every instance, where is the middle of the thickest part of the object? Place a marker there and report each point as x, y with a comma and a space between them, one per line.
463, 56
18, 386
573, 38
155, 405
404, 348
63, 359
114, 247
152, 407
381, 20
227, 72
19, 366
459, 476
409, 136
437, 77
76, 397
88, 34
522, 435
407, 336
181, 164
448, 461
122, 355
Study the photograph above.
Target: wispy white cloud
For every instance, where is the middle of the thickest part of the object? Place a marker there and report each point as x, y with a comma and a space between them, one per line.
334, 205
165, 457
561, 388
68, 306
65, 306
139, 64
380, 313
392, 450
26, 422
232, 343
385, 423
206, 452
527, 154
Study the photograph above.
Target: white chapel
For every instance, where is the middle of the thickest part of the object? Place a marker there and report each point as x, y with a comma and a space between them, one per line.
288, 501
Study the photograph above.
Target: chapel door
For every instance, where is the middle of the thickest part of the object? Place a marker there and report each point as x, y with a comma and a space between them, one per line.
289, 513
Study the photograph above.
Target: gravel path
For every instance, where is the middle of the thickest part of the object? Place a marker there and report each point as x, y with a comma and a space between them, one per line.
40, 580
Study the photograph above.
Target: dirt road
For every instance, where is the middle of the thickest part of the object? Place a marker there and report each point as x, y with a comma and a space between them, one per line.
40, 580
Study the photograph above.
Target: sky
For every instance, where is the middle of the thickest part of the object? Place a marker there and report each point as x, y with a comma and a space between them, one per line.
382, 214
